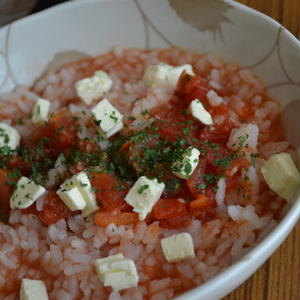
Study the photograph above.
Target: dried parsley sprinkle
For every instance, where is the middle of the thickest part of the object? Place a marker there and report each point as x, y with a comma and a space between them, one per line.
242, 139
184, 112
210, 144
142, 188
173, 185
253, 157
20, 121
83, 184
187, 168
222, 162
201, 186
215, 188
5, 135
97, 122
95, 190
15, 173
186, 131
211, 178
145, 112
113, 116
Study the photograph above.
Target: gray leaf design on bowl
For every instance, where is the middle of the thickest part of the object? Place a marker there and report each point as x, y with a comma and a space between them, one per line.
202, 14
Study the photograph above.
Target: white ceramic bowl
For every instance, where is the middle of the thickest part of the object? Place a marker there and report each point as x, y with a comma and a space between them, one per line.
240, 34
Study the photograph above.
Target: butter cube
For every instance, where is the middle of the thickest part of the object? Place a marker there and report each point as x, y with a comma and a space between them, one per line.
281, 175
93, 88
84, 185
33, 290
178, 247
107, 118
186, 165
77, 193
198, 111
117, 272
72, 198
9, 136
26, 193
143, 195
175, 72
155, 74
40, 111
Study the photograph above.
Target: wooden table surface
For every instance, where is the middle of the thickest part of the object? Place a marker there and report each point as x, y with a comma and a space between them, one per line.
279, 277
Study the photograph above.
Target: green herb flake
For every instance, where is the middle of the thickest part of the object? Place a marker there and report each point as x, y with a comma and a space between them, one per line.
242, 139
201, 186
20, 121
187, 168
253, 157
83, 184
113, 116
143, 188
145, 112
185, 131
211, 178
94, 190
222, 163
98, 122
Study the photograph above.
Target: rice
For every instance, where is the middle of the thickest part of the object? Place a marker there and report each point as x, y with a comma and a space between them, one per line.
63, 254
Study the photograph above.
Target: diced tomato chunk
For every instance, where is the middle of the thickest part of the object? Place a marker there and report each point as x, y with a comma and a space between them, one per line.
60, 131
87, 146
204, 207
173, 121
176, 222
5, 193
110, 192
168, 116
103, 219
168, 208
192, 87
200, 204
54, 209
16, 161
220, 134
196, 178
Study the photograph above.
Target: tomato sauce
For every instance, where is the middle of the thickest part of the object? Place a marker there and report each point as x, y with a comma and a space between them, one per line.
145, 152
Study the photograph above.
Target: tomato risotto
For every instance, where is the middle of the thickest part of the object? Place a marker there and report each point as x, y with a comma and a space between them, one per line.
137, 175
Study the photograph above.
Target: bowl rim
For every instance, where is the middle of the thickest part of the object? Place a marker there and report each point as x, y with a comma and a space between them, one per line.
240, 271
